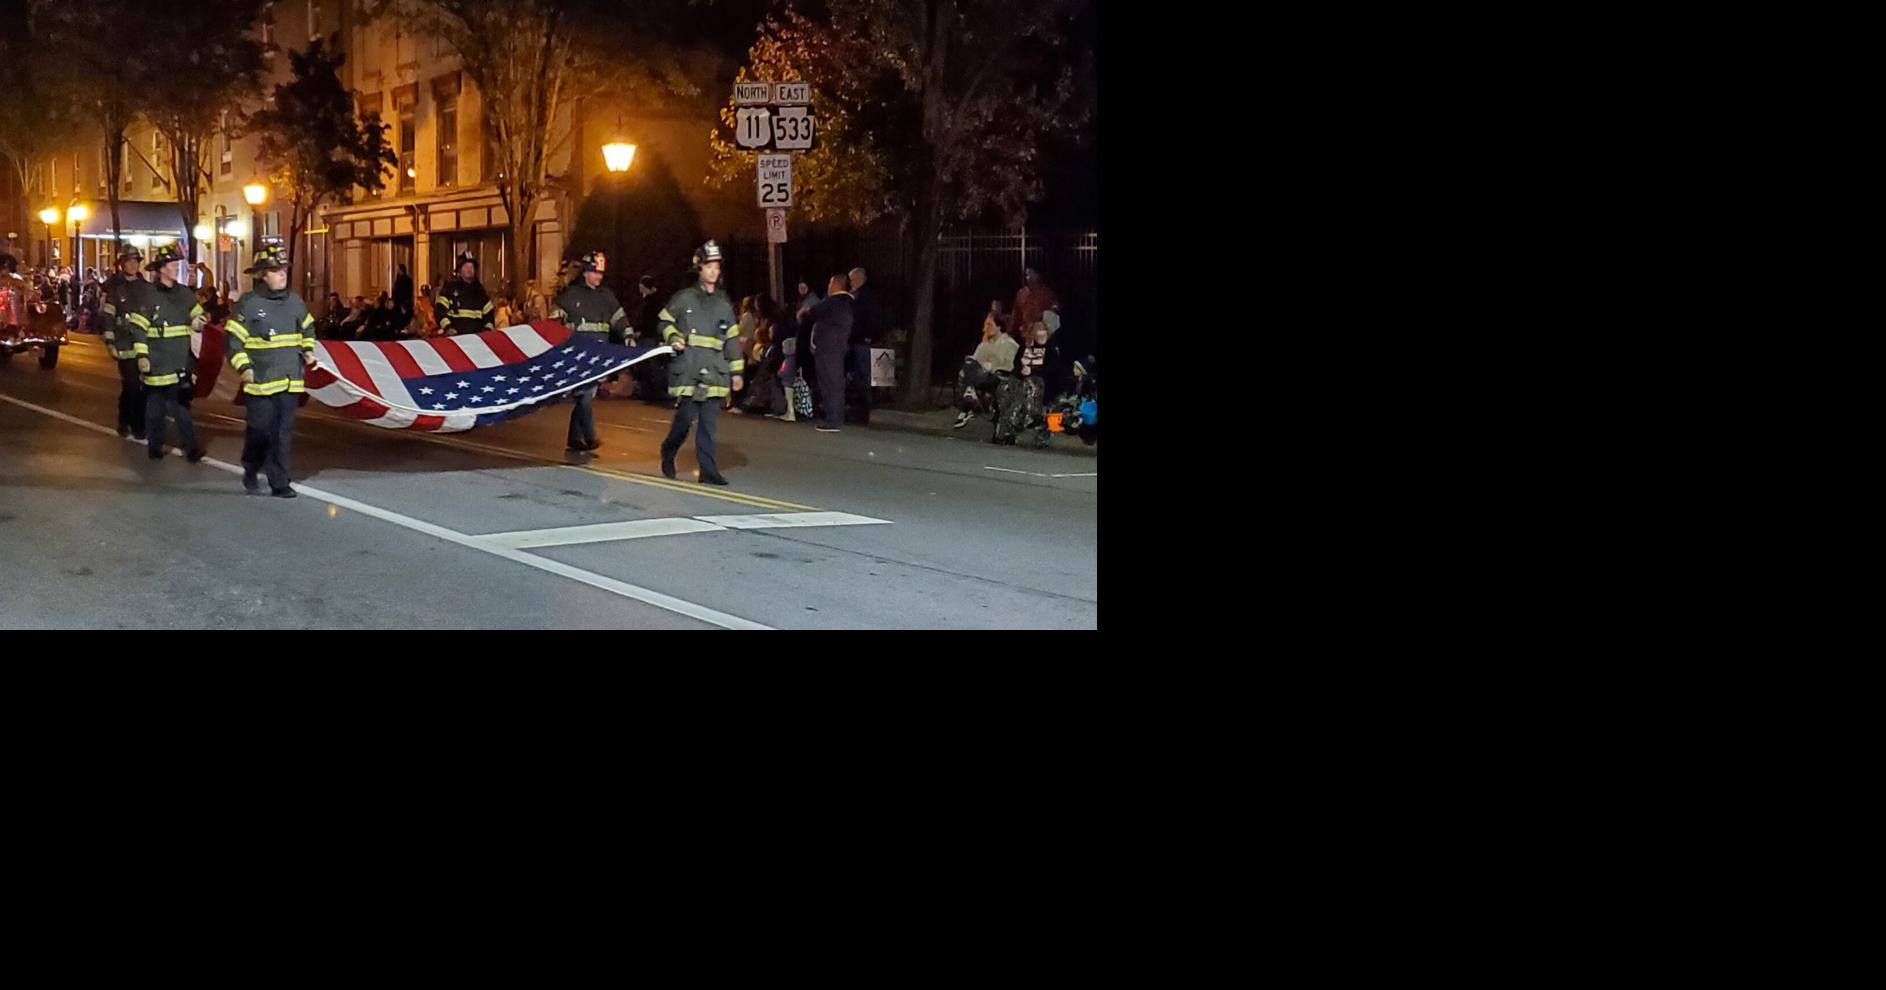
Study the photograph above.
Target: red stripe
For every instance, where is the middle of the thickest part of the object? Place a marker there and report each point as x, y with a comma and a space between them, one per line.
318, 377
428, 424
551, 331
364, 409
449, 350
350, 368
504, 347
402, 361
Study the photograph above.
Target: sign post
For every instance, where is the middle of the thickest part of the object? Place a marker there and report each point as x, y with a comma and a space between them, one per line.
773, 117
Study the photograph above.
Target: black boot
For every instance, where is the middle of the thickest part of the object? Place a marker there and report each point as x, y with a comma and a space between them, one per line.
250, 483
668, 462
712, 478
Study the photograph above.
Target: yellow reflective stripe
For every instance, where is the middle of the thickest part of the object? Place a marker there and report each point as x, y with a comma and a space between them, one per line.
110, 309
261, 344
275, 387
196, 310
140, 348
235, 326
487, 309
138, 318
618, 315
307, 320
240, 361
702, 340
666, 317
160, 379
171, 331
470, 314
736, 366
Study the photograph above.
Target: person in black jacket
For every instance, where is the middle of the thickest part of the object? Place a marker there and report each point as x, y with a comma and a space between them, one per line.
866, 325
832, 321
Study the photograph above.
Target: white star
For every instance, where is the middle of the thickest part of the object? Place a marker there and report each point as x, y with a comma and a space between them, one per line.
438, 405
536, 388
593, 360
510, 391
559, 364
488, 388
532, 369
497, 378
425, 391
566, 350
464, 384
523, 379
451, 395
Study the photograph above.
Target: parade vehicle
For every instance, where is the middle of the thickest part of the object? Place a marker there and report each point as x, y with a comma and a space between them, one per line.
28, 322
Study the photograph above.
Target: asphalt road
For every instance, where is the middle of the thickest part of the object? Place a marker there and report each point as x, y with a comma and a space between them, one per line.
497, 528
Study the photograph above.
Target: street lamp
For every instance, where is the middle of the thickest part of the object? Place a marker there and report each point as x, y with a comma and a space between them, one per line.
618, 155
256, 193
49, 216
77, 214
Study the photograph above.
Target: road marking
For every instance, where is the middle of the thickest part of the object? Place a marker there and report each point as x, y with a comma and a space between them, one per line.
564, 536
611, 585
1038, 474
623, 426
793, 520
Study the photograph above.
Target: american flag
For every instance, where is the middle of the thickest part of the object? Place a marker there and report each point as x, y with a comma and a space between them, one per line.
452, 384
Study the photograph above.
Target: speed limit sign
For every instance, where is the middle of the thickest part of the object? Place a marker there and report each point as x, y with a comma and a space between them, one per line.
775, 181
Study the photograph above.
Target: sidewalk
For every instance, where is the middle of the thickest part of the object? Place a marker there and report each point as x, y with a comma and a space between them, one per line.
937, 423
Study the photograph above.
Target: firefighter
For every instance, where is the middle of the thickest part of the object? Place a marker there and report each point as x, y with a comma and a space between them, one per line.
462, 305
589, 308
161, 326
270, 336
700, 325
123, 294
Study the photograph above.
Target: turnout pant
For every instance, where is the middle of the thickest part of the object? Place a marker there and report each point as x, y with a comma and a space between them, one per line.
265, 440
161, 401
831, 365
583, 418
130, 397
686, 412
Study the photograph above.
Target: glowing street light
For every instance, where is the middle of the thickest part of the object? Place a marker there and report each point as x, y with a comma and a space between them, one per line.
618, 155
256, 193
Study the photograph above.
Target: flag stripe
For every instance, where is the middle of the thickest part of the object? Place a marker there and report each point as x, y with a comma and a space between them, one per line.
505, 349
529, 340
402, 361
427, 356
347, 362
454, 358
480, 353
387, 384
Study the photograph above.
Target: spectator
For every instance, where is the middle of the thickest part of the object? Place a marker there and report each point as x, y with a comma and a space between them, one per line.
983, 371
866, 327
996, 319
355, 319
1034, 299
426, 320
329, 326
651, 376
831, 340
504, 316
536, 304
766, 393
403, 294
1021, 398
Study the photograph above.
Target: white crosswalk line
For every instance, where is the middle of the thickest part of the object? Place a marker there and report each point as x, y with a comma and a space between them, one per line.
601, 532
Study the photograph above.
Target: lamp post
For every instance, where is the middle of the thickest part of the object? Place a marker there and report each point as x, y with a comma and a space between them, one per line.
48, 216
618, 155
77, 213
256, 193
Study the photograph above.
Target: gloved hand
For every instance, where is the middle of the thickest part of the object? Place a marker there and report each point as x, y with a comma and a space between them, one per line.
248, 376
144, 365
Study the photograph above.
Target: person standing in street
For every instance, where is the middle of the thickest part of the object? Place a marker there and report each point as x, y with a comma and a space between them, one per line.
831, 342
589, 307
160, 328
463, 305
124, 295
270, 336
700, 324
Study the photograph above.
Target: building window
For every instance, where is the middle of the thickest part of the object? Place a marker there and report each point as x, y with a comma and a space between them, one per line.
448, 141
229, 159
408, 140
157, 159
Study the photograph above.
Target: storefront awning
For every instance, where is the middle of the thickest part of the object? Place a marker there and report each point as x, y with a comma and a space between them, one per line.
148, 219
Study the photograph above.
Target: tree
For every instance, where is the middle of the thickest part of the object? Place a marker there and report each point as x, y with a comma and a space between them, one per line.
310, 139
82, 59
955, 99
531, 60
201, 64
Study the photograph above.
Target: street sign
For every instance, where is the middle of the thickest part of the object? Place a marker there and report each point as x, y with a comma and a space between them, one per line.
792, 129
788, 94
752, 94
775, 181
753, 127
775, 226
